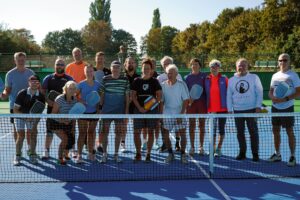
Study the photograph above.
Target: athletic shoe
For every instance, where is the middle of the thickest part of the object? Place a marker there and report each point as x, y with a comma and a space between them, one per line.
74, 154
177, 147
122, 148
275, 158
255, 157
117, 158
163, 148
17, 161
100, 149
156, 146
148, 158
192, 151
241, 156
184, 159
79, 159
169, 158
138, 157
202, 152
292, 162
61, 161
45, 155
218, 153
33, 159
104, 158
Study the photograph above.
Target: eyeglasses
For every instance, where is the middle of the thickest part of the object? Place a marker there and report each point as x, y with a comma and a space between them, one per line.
283, 60
60, 64
34, 80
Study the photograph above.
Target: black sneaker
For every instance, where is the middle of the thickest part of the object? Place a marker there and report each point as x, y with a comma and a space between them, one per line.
292, 162
177, 147
163, 148
148, 158
100, 149
137, 158
241, 156
255, 157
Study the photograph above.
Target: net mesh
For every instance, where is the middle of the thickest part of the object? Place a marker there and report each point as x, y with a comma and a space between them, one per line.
197, 166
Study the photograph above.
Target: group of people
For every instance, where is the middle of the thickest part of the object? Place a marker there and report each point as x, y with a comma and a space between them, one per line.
123, 91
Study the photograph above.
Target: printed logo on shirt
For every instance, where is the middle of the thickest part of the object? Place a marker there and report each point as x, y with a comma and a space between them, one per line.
242, 86
145, 87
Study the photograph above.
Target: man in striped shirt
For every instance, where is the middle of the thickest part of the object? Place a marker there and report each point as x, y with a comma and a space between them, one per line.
114, 100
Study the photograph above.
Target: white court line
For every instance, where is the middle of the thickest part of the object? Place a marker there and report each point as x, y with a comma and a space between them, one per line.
220, 190
2, 137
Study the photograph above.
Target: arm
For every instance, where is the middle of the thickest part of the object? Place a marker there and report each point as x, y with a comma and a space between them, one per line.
229, 99
136, 103
158, 98
17, 109
259, 94
6, 92
127, 103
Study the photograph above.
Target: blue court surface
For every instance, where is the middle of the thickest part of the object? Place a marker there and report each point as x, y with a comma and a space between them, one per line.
231, 179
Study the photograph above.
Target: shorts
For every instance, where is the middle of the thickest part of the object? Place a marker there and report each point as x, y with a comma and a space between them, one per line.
21, 123
140, 123
171, 123
113, 104
67, 128
131, 109
90, 119
197, 107
285, 122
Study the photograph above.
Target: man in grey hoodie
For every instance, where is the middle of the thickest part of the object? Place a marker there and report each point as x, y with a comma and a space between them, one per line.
245, 95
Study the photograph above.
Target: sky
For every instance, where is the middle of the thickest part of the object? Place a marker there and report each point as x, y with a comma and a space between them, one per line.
134, 16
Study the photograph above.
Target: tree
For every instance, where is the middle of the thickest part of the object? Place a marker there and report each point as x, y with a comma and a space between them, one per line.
156, 23
96, 35
292, 46
62, 42
154, 43
100, 10
167, 35
122, 37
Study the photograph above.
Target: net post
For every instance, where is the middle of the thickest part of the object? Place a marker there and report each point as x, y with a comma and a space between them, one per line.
211, 145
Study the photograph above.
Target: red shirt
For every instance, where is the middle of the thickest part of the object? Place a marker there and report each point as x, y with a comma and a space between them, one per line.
215, 98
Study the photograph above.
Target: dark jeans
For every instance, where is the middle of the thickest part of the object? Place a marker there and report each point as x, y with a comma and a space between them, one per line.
252, 128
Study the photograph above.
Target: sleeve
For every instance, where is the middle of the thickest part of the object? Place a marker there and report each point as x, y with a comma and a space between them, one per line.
19, 99
45, 82
296, 80
272, 84
8, 81
80, 86
185, 94
259, 92
179, 77
229, 96
157, 85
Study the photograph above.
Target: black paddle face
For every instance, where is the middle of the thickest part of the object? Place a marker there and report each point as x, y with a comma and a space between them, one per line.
37, 107
52, 95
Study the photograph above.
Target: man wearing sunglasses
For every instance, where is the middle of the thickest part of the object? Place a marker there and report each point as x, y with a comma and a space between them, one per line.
55, 82
285, 104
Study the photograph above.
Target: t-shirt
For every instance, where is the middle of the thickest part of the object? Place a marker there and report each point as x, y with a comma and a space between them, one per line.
192, 79
119, 86
99, 74
85, 89
173, 96
25, 100
76, 71
145, 88
292, 79
64, 105
55, 82
16, 80
131, 78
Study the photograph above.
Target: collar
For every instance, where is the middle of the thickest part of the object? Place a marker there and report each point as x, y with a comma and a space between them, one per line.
37, 93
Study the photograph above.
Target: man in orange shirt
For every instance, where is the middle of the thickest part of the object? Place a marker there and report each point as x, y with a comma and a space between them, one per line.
216, 92
76, 68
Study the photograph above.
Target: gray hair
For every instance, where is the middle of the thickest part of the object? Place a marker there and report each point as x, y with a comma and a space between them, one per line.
18, 54
76, 49
171, 66
166, 58
242, 60
67, 85
285, 55
215, 62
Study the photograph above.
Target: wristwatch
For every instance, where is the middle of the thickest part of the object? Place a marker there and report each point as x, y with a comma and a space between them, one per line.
287, 98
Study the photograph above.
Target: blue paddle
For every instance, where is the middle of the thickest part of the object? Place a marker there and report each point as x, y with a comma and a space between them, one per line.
196, 91
92, 98
78, 108
281, 90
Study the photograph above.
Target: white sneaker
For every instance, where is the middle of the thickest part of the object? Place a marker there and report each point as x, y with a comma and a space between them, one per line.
192, 151
74, 153
292, 162
17, 161
104, 158
156, 146
202, 152
169, 158
79, 159
275, 158
45, 155
144, 146
122, 148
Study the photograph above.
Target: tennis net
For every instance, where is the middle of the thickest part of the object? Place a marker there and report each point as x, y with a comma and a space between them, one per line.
212, 163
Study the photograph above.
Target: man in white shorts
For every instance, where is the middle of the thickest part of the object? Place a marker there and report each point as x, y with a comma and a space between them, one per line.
174, 101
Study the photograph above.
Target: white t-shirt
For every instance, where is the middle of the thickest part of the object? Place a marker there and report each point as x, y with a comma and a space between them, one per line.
173, 96
292, 79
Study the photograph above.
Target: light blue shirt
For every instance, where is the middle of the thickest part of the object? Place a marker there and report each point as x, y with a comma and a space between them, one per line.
85, 89
17, 81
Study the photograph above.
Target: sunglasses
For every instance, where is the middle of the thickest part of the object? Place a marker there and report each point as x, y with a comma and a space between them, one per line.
283, 60
60, 64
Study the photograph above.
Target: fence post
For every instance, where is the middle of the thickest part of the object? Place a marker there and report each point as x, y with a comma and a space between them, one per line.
211, 145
